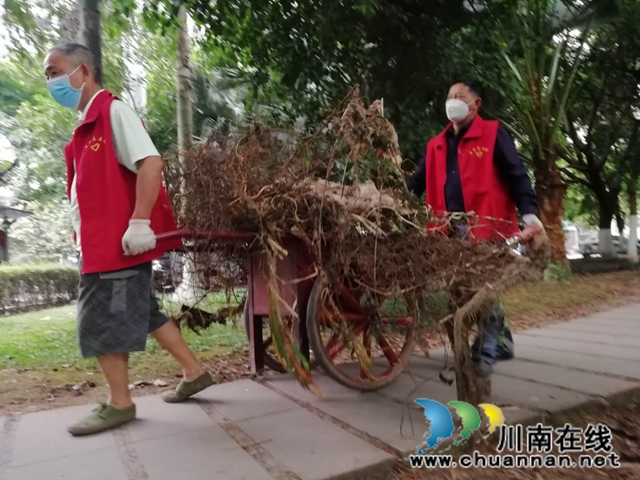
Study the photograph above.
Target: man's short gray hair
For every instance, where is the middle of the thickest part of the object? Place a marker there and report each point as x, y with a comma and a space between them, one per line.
79, 54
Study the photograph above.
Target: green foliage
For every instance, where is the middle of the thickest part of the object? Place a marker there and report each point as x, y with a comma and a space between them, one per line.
36, 286
303, 57
544, 57
218, 93
601, 121
46, 236
581, 207
218, 96
39, 132
159, 55
13, 89
284, 61
437, 305
557, 272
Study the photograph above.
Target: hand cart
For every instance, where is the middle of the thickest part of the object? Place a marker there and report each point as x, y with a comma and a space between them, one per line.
330, 321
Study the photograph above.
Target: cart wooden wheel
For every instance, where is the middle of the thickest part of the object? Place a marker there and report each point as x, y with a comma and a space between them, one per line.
270, 357
342, 331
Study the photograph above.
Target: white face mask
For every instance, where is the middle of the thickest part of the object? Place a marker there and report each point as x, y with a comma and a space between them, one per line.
457, 110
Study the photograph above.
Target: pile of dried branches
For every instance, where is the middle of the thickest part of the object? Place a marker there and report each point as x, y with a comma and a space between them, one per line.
341, 191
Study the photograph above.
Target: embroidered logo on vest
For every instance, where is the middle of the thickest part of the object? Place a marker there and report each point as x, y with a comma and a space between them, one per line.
95, 143
478, 151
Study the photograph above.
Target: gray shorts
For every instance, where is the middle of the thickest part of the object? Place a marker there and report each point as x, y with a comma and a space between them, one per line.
116, 311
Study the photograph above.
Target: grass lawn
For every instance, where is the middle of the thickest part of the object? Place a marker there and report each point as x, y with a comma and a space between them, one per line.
40, 361
527, 305
47, 340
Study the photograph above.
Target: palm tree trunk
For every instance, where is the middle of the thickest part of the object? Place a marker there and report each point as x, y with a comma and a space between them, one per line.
551, 189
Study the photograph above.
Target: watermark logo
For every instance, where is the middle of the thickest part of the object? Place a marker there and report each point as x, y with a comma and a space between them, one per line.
537, 446
442, 428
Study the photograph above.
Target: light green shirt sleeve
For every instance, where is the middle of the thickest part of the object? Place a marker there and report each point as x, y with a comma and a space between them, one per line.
131, 140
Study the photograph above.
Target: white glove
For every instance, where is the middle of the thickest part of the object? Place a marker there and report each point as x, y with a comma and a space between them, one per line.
533, 227
532, 219
139, 238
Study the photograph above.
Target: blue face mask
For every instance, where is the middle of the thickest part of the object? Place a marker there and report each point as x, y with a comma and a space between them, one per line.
62, 92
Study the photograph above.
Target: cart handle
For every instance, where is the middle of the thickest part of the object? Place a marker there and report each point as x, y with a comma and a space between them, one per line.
205, 235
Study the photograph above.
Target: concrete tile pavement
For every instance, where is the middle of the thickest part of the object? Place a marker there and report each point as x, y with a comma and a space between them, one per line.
567, 345
246, 399
313, 448
577, 334
628, 313
91, 465
200, 454
42, 436
374, 414
275, 429
584, 382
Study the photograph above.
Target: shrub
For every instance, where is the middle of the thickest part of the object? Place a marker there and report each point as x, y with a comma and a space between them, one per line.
31, 287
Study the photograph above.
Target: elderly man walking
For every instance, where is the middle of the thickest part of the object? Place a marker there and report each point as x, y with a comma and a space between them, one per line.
473, 166
118, 205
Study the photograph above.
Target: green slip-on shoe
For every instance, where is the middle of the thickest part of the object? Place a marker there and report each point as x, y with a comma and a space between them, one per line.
102, 418
184, 390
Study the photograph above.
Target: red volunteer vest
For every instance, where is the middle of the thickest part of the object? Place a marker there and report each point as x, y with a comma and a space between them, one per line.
106, 193
483, 191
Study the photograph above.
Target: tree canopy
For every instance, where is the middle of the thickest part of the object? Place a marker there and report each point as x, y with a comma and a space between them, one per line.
563, 75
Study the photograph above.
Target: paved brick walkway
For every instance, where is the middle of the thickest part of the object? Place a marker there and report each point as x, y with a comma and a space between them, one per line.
250, 430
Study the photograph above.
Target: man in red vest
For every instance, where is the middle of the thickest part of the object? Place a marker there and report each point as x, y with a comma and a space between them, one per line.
118, 205
473, 166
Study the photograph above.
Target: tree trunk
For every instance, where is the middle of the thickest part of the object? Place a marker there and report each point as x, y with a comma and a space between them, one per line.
605, 240
471, 386
550, 189
620, 221
189, 290
632, 244
184, 85
90, 31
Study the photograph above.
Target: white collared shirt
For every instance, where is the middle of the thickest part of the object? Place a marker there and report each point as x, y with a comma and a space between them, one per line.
130, 141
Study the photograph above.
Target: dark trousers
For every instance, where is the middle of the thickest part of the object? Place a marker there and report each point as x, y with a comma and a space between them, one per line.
494, 342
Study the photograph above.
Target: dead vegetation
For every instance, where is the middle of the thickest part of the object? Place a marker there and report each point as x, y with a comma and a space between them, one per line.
340, 192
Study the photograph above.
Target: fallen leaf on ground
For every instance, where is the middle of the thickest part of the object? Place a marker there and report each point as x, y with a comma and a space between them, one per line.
158, 382
65, 387
83, 386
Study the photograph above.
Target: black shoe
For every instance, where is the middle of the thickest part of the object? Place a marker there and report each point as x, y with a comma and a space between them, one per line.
504, 353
